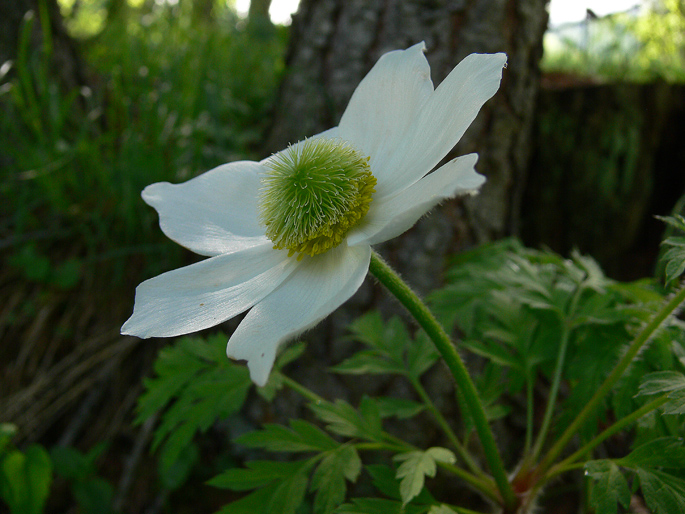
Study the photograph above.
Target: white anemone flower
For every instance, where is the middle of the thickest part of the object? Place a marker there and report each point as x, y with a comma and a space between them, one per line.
289, 238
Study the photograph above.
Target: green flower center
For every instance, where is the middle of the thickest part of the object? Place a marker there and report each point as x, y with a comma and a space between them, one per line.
313, 194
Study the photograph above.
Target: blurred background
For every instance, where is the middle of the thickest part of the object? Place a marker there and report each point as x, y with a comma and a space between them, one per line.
582, 146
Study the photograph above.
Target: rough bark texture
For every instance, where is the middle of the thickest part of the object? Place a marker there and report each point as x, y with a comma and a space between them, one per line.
335, 43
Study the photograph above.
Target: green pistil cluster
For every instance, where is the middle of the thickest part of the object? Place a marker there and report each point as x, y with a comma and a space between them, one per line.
313, 194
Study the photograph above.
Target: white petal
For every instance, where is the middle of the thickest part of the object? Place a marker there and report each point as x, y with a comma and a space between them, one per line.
316, 288
384, 107
213, 213
391, 216
207, 293
445, 116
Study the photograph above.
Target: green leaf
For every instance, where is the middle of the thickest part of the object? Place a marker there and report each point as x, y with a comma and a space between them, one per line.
176, 475
677, 221
300, 437
384, 480
675, 260
441, 509
494, 352
369, 329
289, 494
421, 355
175, 367
610, 488
195, 385
253, 503
329, 478
377, 506
664, 493
25, 480
94, 495
664, 452
670, 382
661, 382
675, 256
282, 486
7, 432
389, 338
416, 466
290, 354
398, 407
370, 362
70, 463
256, 474
345, 420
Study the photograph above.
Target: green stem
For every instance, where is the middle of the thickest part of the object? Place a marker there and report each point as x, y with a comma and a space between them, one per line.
642, 338
444, 345
558, 371
299, 388
568, 462
440, 419
553, 392
530, 410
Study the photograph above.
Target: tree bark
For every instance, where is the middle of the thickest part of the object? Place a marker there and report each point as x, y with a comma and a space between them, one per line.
259, 10
333, 45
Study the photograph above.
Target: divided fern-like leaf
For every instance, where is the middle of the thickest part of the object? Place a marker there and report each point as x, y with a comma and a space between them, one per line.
329, 478
345, 420
280, 486
391, 349
664, 493
195, 385
674, 257
416, 466
610, 489
671, 383
300, 437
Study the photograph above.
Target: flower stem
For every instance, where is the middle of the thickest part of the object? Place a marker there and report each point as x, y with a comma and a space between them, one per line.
444, 345
642, 338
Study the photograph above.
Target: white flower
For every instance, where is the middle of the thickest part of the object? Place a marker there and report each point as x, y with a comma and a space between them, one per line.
397, 126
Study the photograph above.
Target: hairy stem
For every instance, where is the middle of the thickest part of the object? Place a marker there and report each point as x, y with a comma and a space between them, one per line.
444, 345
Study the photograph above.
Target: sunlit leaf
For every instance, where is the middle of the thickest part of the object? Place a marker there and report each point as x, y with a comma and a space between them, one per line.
416, 466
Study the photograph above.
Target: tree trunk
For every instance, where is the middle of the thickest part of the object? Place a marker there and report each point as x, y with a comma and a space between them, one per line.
259, 10
333, 45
